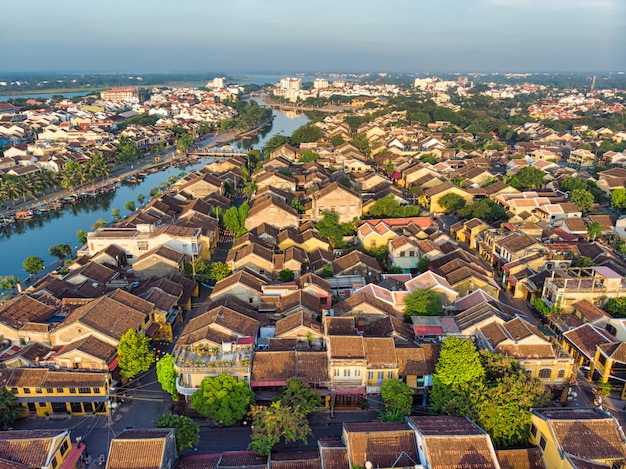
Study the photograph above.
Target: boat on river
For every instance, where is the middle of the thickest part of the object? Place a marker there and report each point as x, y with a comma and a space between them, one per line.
24, 215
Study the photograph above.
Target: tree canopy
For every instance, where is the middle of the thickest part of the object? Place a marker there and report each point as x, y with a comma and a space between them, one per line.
235, 219
594, 230
389, 207
328, 228
33, 265
272, 423
186, 430
616, 307
61, 251
488, 388
486, 209
298, 395
133, 354
219, 271
10, 409
398, 398
582, 198
452, 202
166, 374
223, 398
528, 177
618, 199
423, 303
305, 134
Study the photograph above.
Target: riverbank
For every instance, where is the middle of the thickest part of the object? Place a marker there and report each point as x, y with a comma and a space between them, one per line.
86, 90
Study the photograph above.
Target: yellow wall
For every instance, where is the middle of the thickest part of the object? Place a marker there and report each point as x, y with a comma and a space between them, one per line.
551, 453
43, 409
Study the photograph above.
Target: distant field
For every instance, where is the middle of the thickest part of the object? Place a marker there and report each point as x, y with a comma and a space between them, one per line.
37, 91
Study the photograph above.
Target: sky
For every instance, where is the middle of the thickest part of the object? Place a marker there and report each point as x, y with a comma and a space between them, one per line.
277, 36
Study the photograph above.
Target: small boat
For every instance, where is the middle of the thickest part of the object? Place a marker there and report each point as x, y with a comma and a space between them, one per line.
24, 215
131, 180
43, 209
153, 170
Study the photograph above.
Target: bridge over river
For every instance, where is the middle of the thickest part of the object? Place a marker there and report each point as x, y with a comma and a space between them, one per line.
211, 151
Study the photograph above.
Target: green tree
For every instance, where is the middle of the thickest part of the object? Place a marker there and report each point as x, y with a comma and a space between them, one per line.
298, 395
305, 134
116, 215
337, 140
459, 362
8, 282
141, 199
273, 143
582, 198
133, 354
594, 230
486, 209
326, 272
33, 265
618, 199
286, 275
272, 423
527, 178
127, 150
422, 264
10, 409
249, 188
60, 251
81, 236
99, 223
184, 143
616, 307
219, 271
166, 374
307, 156
130, 206
328, 228
345, 181
452, 202
223, 398
423, 302
398, 398
197, 270
235, 219
186, 431
582, 261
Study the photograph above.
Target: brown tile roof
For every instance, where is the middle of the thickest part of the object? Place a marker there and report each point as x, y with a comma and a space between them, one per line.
346, 347
44, 378
383, 444
198, 461
586, 433
130, 300
615, 351
353, 259
298, 319
387, 326
332, 187
353, 304
340, 325
214, 323
23, 309
417, 361
380, 352
242, 459
312, 366
273, 366
587, 337
28, 448
445, 426
138, 449
334, 457
590, 311
529, 458
295, 460
90, 345
243, 277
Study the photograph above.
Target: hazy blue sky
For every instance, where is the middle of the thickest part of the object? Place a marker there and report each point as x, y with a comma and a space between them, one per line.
325, 35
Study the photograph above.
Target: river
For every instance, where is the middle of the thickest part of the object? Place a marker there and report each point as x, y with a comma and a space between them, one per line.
37, 235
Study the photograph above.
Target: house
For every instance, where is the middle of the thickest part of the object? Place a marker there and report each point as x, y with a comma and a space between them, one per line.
381, 362
610, 362
42, 449
253, 257
467, 231
20, 314
577, 438
416, 366
218, 341
581, 158
432, 196
338, 199
153, 448
347, 369
582, 342
272, 210
159, 262
452, 442
243, 285
375, 235
538, 357
438, 283
286, 151
382, 444
42, 392
403, 253
200, 186
275, 179
357, 263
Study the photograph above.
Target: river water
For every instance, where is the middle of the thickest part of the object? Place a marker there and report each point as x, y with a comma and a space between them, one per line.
37, 235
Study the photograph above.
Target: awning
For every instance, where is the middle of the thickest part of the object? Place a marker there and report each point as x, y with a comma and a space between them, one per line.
349, 391
428, 330
509, 227
258, 384
73, 456
152, 330
113, 364
245, 340
512, 281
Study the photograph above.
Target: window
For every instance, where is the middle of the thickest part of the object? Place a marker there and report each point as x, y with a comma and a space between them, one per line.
38, 391
336, 372
72, 390
84, 390
533, 430
96, 390
76, 407
370, 375
60, 390
346, 372
142, 245
54, 462
14, 390
561, 373
402, 253
545, 373
602, 359
26, 391
42, 404
390, 375
381, 375
411, 253
63, 448
542, 442
357, 373
49, 390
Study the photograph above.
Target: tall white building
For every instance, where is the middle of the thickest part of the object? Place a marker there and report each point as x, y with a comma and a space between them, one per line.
320, 83
291, 83
217, 83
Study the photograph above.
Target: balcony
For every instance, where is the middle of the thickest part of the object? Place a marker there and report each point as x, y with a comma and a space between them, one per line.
212, 361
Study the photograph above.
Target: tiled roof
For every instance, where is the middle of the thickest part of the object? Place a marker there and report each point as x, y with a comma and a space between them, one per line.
313, 366
353, 259
241, 459
346, 347
90, 345
380, 352
298, 319
418, 361
616, 351
273, 366
218, 321
590, 311
27, 448
23, 309
198, 461
587, 337
529, 458
445, 426
387, 326
383, 444
44, 378
138, 449
340, 325
334, 457
586, 433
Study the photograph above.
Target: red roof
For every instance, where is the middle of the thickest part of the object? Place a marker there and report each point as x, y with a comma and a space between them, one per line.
152, 329
428, 330
245, 340
74, 455
564, 234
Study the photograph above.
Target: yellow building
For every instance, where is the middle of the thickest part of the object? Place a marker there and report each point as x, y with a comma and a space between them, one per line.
373, 236
577, 438
610, 362
381, 361
432, 196
43, 449
43, 392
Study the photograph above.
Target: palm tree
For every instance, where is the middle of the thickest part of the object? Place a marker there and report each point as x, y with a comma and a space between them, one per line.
11, 189
35, 181
25, 188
